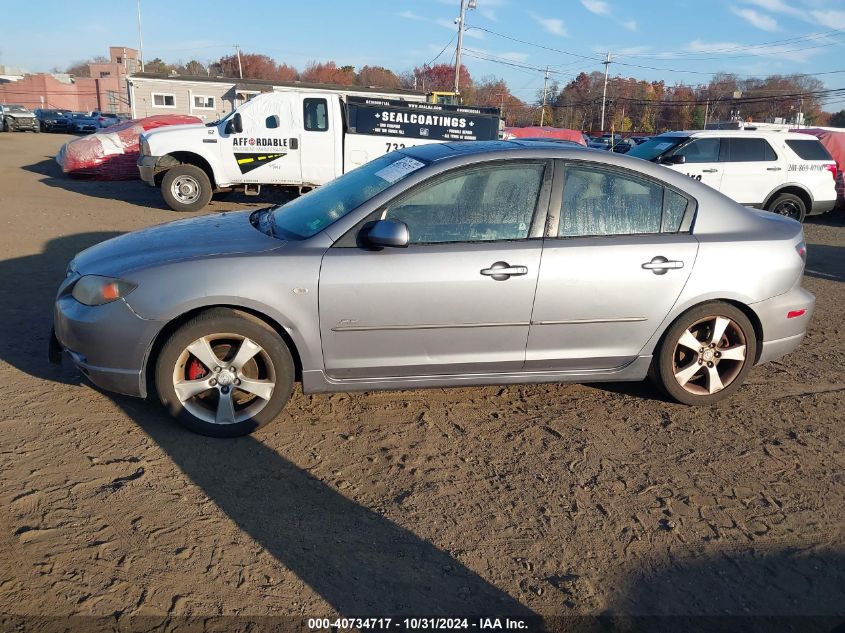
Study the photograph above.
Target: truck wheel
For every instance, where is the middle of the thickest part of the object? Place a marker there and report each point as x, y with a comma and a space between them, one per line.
789, 205
224, 374
186, 188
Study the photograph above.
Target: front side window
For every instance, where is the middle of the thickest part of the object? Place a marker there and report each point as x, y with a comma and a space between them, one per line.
700, 150
316, 115
599, 202
748, 150
164, 100
476, 204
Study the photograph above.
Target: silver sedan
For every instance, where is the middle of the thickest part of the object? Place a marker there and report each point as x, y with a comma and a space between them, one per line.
439, 265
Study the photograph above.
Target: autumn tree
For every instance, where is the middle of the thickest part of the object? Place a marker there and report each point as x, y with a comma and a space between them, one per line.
378, 76
254, 66
441, 78
192, 68
329, 73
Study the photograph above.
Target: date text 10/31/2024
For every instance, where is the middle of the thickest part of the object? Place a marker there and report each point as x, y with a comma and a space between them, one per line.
481, 624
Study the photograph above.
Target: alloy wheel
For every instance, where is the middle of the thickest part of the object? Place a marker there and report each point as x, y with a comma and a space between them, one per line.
186, 189
224, 378
709, 355
788, 208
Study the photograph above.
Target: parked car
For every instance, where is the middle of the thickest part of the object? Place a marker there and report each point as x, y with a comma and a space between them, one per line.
441, 265
786, 173
599, 143
623, 146
81, 122
105, 119
16, 118
52, 120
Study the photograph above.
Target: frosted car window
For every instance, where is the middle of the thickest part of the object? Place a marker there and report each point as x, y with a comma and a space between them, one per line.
598, 202
675, 206
478, 204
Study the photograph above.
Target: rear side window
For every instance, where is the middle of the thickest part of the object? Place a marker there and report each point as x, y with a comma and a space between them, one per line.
316, 115
811, 149
674, 209
748, 150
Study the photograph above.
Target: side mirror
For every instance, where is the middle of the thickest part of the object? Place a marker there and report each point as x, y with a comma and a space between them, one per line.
237, 123
390, 233
675, 159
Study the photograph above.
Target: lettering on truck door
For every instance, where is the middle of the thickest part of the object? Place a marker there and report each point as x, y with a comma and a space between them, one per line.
267, 151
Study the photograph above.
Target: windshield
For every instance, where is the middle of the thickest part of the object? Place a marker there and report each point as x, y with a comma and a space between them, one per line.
656, 147
219, 121
16, 108
313, 212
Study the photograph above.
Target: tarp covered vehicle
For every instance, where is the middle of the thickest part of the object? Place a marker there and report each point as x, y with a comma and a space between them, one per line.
112, 153
552, 133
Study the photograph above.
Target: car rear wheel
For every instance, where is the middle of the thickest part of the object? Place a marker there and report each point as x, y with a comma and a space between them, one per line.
186, 188
224, 374
788, 205
706, 354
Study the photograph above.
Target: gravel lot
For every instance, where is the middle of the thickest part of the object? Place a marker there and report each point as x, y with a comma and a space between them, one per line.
551, 500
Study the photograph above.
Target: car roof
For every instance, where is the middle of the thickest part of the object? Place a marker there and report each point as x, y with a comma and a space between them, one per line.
776, 134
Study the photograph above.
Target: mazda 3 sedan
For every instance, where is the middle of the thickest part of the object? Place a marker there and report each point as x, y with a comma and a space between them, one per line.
439, 265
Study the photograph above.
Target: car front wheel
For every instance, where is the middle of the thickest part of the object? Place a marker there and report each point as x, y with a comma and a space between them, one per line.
706, 354
224, 374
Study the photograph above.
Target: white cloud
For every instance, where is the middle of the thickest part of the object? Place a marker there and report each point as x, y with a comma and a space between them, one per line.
599, 7
832, 19
778, 6
759, 20
631, 25
410, 15
773, 51
554, 26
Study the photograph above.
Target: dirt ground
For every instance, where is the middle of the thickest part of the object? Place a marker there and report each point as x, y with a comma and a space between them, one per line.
550, 500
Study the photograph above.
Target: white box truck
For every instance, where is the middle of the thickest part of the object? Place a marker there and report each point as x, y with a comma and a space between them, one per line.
296, 139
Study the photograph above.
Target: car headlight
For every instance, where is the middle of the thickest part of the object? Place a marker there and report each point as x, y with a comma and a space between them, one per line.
94, 290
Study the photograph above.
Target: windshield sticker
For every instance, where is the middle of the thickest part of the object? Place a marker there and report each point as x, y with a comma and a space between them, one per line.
662, 146
399, 169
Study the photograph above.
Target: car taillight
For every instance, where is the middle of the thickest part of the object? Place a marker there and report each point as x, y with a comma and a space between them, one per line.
833, 170
801, 249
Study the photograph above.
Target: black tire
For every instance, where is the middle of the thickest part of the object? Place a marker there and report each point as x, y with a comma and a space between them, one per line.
175, 360
190, 179
7, 125
673, 357
789, 205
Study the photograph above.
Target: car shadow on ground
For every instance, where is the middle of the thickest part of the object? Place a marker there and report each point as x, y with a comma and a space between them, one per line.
792, 589
139, 194
360, 562
825, 262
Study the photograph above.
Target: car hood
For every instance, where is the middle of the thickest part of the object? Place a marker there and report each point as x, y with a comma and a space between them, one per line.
194, 238
20, 115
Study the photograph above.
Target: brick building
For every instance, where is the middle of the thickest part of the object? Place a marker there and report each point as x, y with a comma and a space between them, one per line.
105, 90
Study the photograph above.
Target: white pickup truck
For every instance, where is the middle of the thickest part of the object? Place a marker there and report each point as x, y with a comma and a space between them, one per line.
297, 139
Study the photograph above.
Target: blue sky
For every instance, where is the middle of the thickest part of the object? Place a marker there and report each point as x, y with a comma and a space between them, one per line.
748, 37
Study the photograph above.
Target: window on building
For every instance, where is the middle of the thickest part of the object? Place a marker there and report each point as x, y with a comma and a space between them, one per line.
201, 102
316, 115
162, 100
119, 60
104, 73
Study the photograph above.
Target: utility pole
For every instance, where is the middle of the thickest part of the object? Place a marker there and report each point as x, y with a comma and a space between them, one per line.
140, 38
707, 110
465, 4
545, 84
606, 63
240, 67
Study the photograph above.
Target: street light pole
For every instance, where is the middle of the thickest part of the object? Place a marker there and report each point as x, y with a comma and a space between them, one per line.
606, 63
240, 68
465, 4
140, 38
545, 85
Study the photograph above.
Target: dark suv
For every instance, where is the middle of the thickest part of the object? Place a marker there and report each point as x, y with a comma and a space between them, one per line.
52, 120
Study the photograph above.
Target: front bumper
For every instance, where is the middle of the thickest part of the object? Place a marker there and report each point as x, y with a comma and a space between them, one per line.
147, 169
782, 334
108, 343
19, 124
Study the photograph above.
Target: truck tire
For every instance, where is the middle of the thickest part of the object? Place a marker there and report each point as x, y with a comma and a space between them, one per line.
789, 205
186, 188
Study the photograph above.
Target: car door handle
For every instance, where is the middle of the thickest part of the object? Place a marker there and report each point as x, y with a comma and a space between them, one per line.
772, 168
709, 171
659, 265
500, 271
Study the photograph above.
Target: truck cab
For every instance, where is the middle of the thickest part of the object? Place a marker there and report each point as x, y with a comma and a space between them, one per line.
297, 139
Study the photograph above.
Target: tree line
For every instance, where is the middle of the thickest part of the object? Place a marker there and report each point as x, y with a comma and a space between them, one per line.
632, 105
